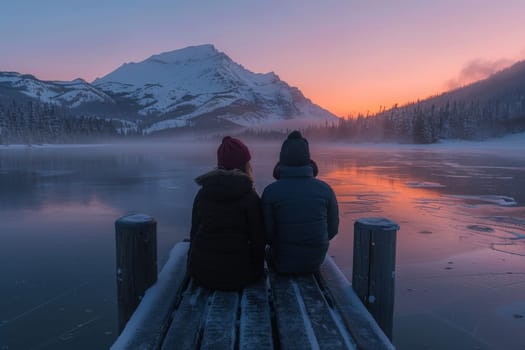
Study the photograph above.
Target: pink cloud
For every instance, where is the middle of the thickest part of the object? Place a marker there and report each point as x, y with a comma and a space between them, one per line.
522, 54
475, 70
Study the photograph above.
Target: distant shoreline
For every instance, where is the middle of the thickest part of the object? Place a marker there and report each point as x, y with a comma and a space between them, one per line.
511, 140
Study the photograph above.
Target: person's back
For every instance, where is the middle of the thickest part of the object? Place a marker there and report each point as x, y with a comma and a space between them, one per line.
300, 212
227, 237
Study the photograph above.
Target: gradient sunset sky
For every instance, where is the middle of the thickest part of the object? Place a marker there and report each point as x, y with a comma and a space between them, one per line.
347, 56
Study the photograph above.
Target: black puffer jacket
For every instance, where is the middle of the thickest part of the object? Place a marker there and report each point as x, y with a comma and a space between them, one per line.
227, 236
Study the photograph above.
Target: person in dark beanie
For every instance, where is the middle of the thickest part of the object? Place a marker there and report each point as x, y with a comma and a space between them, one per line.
227, 235
300, 212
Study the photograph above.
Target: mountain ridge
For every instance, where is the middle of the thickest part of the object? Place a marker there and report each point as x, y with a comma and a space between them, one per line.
197, 86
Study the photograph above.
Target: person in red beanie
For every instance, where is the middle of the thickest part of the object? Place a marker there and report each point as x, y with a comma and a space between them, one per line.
227, 237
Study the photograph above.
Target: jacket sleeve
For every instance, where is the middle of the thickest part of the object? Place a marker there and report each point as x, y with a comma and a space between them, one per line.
195, 220
256, 233
269, 220
333, 215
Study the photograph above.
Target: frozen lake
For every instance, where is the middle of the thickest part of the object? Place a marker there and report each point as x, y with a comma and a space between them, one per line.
460, 280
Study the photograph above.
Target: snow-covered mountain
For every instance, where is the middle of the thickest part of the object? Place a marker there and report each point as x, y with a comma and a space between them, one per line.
196, 86
199, 85
71, 94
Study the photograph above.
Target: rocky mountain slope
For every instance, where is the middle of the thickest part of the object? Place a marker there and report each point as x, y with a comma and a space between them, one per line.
197, 86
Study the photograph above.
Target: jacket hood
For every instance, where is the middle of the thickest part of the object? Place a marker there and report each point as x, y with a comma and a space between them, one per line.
221, 184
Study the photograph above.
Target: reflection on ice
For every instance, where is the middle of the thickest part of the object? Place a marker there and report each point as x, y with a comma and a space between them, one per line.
463, 205
471, 217
480, 228
455, 176
416, 184
509, 248
508, 220
45, 173
493, 199
470, 201
361, 203
462, 219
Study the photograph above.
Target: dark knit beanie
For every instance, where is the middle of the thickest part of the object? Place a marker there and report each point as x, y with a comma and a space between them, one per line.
294, 151
232, 153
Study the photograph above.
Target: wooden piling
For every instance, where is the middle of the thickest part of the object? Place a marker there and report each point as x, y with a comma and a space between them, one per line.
374, 263
136, 246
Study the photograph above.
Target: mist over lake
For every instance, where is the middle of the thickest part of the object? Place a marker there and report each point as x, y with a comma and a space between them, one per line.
460, 277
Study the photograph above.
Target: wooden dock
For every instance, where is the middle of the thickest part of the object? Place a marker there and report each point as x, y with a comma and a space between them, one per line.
315, 311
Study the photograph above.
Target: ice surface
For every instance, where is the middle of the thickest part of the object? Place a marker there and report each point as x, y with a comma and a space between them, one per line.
423, 184
493, 199
435, 227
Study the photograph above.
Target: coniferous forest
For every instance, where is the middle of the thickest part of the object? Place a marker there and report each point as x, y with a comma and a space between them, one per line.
488, 108
422, 122
32, 122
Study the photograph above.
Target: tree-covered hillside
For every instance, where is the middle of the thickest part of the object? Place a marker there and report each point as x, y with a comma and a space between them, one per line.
32, 122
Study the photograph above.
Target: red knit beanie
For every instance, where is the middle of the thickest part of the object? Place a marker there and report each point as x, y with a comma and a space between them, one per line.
232, 153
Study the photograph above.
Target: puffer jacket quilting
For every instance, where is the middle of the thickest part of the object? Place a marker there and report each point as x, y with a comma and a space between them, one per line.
227, 236
301, 217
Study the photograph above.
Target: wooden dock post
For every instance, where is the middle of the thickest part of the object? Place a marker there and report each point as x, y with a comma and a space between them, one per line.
136, 245
374, 264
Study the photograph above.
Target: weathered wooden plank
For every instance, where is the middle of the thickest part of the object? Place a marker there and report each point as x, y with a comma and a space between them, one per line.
188, 318
298, 309
358, 320
148, 324
256, 327
220, 325
324, 326
293, 325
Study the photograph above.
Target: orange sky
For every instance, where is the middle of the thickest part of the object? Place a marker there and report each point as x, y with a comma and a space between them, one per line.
346, 56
